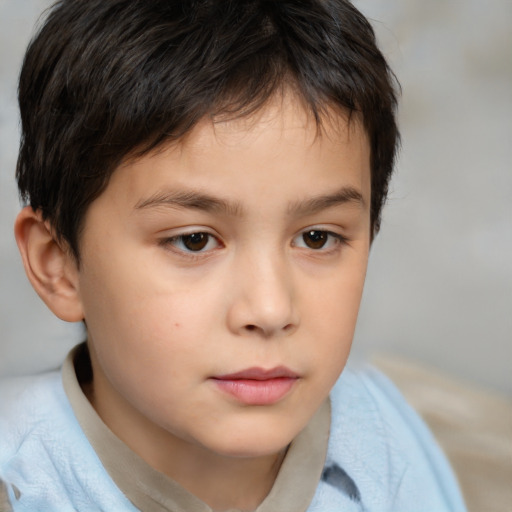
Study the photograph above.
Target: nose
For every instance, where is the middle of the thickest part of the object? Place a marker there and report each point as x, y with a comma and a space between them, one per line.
263, 301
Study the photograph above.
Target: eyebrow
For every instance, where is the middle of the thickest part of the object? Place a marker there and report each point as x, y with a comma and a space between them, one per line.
210, 204
344, 195
191, 200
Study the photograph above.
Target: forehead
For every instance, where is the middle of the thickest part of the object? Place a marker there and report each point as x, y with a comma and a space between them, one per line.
279, 147
285, 115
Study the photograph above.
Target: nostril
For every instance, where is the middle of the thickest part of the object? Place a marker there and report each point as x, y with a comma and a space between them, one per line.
253, 328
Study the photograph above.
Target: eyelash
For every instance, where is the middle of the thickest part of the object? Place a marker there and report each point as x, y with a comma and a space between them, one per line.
174, 241
337, 239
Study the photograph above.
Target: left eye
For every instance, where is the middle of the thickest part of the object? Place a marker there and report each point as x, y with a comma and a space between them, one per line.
317, 239
194, 242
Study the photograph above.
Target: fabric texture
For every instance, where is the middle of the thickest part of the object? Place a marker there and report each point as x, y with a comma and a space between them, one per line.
473, 425
380, 455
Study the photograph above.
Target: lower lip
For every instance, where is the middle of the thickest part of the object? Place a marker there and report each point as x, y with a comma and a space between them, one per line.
257, 392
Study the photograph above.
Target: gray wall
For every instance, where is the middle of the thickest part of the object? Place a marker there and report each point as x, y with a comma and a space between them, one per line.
439, 285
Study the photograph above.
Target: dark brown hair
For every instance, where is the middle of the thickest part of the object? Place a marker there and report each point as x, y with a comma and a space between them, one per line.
105, 78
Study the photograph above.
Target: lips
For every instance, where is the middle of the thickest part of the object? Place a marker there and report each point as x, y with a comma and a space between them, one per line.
257, 386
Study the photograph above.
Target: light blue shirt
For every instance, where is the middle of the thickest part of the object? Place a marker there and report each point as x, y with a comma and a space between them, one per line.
380, 457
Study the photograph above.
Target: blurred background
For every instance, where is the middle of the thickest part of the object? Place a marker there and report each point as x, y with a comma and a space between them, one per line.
439, 289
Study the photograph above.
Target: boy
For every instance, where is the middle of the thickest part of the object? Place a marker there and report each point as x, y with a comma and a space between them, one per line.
204, 180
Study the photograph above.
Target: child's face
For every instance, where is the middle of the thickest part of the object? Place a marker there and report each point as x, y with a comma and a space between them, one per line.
221, 254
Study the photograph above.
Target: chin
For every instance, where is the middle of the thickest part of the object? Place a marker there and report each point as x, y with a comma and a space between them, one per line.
253, 442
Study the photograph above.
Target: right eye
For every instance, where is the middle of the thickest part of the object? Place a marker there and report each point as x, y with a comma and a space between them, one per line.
193, 242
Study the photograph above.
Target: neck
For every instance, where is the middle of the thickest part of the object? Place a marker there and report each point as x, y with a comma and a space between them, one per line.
226, 483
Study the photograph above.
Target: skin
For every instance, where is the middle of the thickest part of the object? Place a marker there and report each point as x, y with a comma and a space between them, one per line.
163, 320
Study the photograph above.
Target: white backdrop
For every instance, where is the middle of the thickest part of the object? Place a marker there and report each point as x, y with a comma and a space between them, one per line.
439, 286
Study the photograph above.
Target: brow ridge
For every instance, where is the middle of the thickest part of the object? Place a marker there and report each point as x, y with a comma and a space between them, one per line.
205, 202
314, 205
192, 200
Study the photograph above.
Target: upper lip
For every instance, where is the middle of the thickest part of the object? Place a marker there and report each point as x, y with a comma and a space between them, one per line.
256, 373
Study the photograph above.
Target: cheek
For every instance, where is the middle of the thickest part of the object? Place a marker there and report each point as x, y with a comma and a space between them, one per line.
334, 302
333, 310
147, 331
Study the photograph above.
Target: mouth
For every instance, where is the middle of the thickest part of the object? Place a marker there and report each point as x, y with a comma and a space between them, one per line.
257, 386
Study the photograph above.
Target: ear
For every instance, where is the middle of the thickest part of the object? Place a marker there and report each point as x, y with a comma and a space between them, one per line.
49, 265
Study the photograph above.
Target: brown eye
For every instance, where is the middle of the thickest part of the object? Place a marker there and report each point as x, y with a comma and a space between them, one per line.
315, 239
195, 241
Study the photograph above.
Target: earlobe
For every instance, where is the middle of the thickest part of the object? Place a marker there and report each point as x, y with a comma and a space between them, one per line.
50, 267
